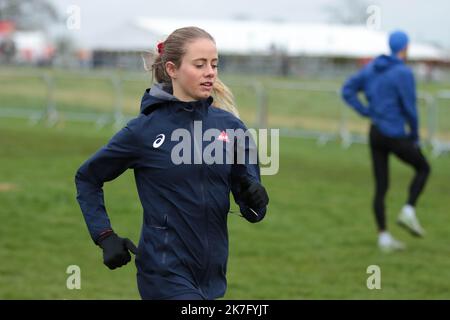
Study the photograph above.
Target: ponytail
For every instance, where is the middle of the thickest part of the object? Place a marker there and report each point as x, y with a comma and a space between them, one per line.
223, 98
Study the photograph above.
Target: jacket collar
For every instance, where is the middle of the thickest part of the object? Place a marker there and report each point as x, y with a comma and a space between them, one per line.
162, 94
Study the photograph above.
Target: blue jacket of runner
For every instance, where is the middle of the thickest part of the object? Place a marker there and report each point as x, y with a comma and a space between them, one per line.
390, 90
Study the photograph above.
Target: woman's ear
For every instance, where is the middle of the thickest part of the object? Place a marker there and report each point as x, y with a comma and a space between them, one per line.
171, 69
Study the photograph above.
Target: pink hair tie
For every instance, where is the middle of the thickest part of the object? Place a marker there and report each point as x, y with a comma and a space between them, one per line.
160, 47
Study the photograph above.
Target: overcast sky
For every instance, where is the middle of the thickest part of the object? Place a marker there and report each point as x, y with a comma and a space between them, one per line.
426, 21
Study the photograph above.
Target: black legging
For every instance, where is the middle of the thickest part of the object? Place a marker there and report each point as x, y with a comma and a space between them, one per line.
406, 150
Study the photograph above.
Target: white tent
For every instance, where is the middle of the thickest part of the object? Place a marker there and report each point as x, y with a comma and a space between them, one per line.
262, 37
32, 46
127, 37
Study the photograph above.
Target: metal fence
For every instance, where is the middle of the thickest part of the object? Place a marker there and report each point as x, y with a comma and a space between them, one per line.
440, 139
300, 109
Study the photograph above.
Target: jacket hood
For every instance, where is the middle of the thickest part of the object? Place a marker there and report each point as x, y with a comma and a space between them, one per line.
156, 95
385, 62
160, 93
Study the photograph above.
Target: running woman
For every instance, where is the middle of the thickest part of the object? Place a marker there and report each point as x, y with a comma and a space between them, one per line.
183, 247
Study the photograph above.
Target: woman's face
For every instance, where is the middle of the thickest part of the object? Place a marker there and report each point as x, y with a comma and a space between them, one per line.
195, 77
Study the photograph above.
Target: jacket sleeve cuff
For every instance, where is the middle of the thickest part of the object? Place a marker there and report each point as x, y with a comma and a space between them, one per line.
103, 235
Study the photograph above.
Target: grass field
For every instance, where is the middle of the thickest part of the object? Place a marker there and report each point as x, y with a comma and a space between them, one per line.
316, 242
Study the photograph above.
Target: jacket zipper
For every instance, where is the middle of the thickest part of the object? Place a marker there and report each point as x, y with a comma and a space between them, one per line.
166, 240
199, 149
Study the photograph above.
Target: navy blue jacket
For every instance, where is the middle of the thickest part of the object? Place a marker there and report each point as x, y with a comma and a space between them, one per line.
183, 246
390, 90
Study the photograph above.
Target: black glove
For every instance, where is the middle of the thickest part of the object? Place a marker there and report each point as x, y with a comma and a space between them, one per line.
115, 250
253, 194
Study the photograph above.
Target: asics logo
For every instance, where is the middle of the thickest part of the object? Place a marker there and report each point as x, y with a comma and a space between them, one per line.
159, 140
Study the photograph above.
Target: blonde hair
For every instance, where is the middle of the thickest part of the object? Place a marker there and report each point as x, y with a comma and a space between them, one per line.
173, 49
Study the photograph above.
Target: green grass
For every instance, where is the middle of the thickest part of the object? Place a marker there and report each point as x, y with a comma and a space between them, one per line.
316, 242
